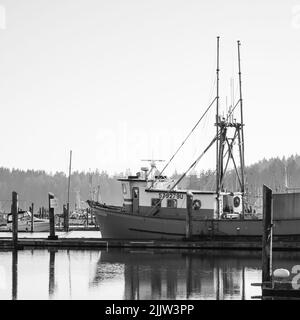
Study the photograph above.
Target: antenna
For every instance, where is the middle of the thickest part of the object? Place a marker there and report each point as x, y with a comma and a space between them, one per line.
153, 166
232, 91
153, 161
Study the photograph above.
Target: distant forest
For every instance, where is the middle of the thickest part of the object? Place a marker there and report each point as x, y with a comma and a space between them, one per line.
33, 186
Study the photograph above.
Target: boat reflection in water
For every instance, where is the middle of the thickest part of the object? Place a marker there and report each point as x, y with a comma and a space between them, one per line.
186, 275
134, 274
199, 274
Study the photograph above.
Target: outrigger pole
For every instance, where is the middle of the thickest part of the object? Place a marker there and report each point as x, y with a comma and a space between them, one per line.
153, 210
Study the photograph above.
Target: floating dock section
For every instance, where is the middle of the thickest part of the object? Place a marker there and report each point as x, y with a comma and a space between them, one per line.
238, 243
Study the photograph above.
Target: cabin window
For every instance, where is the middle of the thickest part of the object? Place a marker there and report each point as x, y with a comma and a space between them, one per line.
171, 203
197, 204
124, 188
135, 193
155, 202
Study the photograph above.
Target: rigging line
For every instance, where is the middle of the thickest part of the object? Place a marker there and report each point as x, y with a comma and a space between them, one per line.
235, 167
230, 146
212, 182
187, 137
185, 173
231, 111
212, 88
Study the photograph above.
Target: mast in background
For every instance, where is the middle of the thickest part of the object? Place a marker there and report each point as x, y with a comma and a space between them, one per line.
68, 203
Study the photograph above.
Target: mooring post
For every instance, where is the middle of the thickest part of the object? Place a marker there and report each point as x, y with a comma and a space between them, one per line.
66, 224
267, 236
188, 265
52, 235
51, 272
189, 206
14, 274
32, 217
14, 212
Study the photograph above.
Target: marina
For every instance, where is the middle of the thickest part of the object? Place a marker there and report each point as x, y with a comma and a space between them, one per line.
149, 151
133, 274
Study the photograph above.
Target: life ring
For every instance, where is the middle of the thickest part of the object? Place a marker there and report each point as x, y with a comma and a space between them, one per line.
223, 216
236, 201
196, 204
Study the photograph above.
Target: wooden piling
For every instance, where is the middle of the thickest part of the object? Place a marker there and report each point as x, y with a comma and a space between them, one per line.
51, 272
52, 235
14, 274
189, 206
188, 265
267, 236
32, 217
66, 218
14, 212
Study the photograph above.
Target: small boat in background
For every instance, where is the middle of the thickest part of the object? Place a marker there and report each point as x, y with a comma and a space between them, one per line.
24, 222
3, 219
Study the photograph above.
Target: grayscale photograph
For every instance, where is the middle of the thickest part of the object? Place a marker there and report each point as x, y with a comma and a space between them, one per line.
150, 154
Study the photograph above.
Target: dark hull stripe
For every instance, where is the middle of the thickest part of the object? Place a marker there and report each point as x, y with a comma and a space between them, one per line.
157, 232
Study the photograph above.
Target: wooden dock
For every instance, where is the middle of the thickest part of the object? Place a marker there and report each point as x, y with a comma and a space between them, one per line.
272, 287
280, 291
225, 243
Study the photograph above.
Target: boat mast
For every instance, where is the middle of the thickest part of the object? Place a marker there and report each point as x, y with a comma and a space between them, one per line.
217, 124
69, 184
241, 138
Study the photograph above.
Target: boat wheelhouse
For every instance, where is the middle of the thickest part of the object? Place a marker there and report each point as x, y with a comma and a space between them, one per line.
141, 198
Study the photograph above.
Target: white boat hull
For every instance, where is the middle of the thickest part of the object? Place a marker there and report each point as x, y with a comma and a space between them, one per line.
43, 226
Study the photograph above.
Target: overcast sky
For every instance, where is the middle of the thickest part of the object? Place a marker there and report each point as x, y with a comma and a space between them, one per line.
118, 81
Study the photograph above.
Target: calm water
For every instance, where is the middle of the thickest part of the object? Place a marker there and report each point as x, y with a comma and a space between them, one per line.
133, 274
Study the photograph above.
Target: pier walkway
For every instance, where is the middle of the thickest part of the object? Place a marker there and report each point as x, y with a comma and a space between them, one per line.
92, 239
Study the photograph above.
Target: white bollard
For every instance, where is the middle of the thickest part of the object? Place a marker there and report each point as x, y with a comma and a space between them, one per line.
281, 273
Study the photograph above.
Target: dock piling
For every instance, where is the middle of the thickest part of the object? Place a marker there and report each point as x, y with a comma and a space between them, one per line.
66, 220
267, 236
14, 274
52, 235
14, 212
51, 272
32, 217
189, 206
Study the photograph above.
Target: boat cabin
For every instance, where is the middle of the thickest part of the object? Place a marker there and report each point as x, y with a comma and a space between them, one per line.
144, 196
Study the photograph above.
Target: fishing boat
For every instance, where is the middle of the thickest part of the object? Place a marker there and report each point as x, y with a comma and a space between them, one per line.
24, 222
155, 207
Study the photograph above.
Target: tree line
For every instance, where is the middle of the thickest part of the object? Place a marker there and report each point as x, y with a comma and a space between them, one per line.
33, 185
